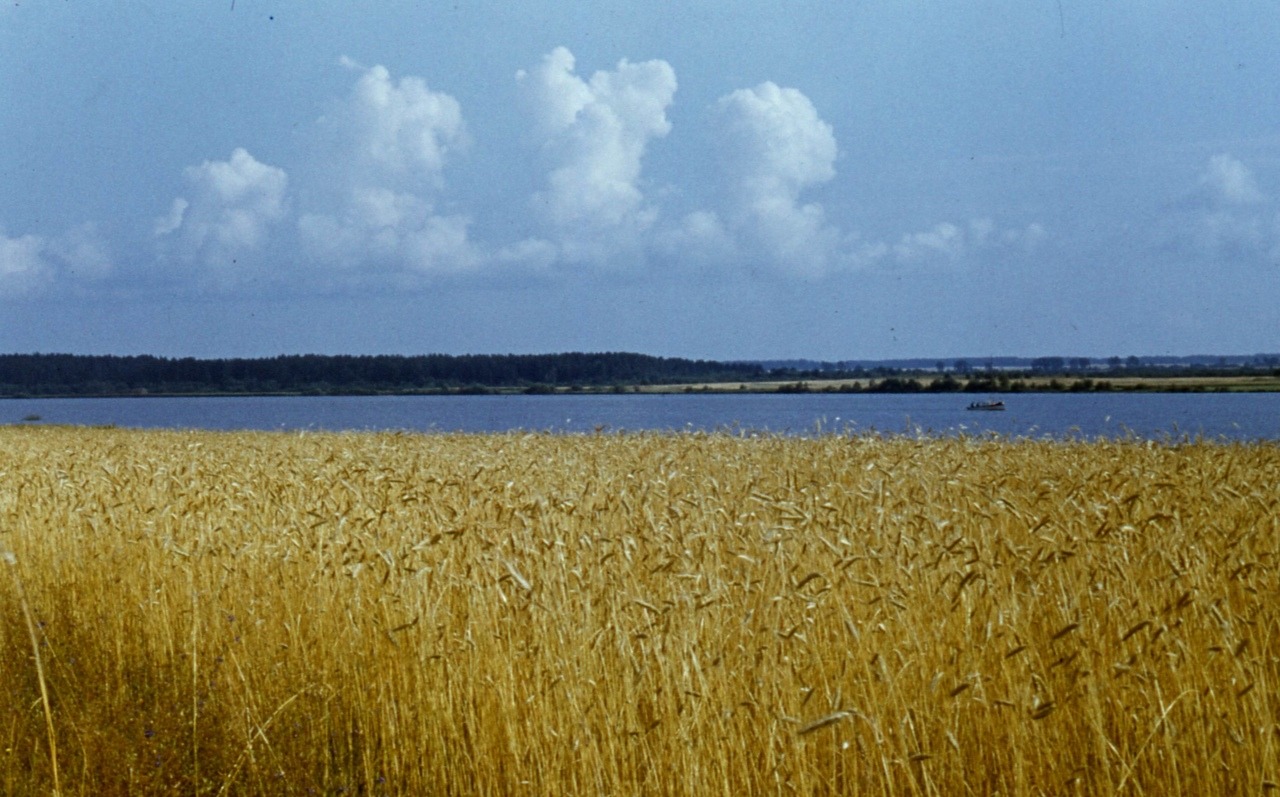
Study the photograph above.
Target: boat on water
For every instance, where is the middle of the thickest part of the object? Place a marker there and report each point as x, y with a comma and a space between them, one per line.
987, 405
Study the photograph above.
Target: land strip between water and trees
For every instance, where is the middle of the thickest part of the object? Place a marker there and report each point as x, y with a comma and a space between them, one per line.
63, 375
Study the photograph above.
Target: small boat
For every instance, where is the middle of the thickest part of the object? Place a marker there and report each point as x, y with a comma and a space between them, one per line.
987, 405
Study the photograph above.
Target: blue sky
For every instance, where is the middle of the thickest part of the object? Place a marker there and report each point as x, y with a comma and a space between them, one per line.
863, 180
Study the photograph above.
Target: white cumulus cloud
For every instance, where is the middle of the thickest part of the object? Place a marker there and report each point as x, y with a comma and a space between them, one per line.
228, 211
384, 230
699, 240
401, 129
776, 147
594, 134
396, 139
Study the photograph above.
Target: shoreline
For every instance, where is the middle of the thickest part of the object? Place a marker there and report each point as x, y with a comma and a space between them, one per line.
919, 383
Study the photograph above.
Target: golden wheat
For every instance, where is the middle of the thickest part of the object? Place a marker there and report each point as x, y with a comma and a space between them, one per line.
257, 613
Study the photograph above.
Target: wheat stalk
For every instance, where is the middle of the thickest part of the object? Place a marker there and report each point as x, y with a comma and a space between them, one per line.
12, 562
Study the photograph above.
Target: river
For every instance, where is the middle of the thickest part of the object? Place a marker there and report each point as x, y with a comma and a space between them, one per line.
1235, 416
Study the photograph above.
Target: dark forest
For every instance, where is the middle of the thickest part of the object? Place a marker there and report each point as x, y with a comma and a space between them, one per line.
98, 375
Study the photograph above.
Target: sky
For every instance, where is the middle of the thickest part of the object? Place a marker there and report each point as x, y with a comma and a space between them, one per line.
865, 180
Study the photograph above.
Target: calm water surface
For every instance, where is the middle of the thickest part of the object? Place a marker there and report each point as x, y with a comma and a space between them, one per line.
1239, 416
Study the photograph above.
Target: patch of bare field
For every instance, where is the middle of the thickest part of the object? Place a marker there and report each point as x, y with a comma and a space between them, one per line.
1228, 383
261, 613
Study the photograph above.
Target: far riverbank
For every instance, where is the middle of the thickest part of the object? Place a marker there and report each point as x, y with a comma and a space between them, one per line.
905, 384
1251, 383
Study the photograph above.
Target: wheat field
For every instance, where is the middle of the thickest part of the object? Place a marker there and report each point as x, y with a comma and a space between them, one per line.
614, 614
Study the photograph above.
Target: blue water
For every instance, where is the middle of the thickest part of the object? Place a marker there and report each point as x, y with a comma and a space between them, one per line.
1237, 416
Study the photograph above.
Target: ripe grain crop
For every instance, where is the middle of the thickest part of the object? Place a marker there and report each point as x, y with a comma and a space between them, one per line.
271, 613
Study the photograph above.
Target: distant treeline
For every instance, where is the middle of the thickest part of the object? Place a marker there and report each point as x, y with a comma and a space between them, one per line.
315, 374
1156, 365
71, 374
981, 383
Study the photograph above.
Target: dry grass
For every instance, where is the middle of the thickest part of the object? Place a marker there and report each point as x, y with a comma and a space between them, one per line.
628, 614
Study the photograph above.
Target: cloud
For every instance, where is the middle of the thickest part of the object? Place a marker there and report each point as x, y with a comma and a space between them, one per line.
775, 148
594, 134
82, 253
229, 208
1227, 181
34, 264
532, 255
1225, 218
24, 267
395, 139
400, 131
780, 144
699, 240
946, 241
1236, 236
384, 230
373, 204
949, 244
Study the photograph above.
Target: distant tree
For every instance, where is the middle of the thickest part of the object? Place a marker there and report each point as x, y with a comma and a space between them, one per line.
794, 387
895, 384
1048, 364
